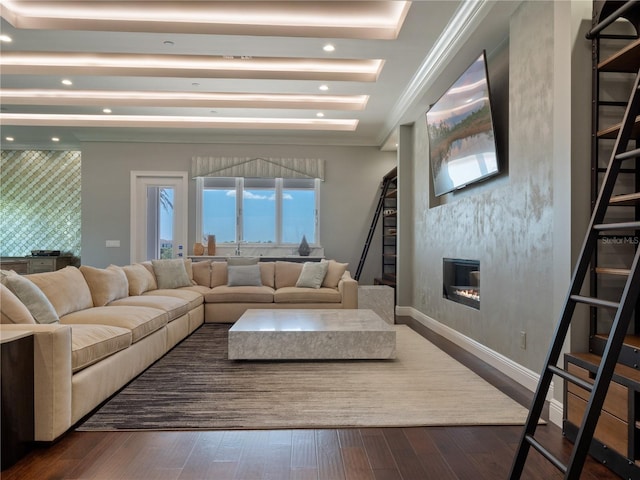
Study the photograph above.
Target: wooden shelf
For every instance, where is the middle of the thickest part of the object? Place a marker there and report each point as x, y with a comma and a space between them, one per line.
623, 374
625, 60
392, 193
612, 131
613, 271
629, 199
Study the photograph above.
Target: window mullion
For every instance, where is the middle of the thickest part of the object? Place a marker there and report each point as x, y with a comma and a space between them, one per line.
239, 207
278, 211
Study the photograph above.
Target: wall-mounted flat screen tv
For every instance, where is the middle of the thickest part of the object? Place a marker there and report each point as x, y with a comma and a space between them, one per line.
462, 146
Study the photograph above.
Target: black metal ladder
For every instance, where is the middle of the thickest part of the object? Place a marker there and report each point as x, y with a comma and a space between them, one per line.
383, 193
623, 313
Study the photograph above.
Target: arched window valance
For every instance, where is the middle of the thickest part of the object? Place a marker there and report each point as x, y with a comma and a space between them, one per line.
257, 167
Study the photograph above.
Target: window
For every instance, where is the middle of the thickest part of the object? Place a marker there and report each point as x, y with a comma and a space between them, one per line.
271, 211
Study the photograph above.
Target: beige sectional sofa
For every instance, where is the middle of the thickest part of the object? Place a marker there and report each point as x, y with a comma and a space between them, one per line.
97, 329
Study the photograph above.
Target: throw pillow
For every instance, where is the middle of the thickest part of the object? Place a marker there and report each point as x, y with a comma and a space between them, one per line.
202, 272
335, 271
171, 273
106, 284
140, 279
13, 310
32, 297
312, 274
234, 261
244, 276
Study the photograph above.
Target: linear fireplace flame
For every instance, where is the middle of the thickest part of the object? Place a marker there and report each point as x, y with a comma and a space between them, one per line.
461, 281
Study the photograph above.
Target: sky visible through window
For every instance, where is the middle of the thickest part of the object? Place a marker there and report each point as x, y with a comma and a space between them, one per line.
219, 207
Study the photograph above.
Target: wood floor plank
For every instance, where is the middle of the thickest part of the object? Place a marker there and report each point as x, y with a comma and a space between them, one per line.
356, 464
377, 448
408, 462
253, 457
428, 455
200, 457
303, 451
330, 464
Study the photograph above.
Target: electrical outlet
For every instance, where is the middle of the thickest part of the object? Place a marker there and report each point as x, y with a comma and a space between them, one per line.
112, 243
523, 340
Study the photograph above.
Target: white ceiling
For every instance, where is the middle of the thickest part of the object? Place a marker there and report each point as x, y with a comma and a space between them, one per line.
183, 61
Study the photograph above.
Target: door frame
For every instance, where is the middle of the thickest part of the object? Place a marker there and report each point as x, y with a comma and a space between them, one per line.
181, 216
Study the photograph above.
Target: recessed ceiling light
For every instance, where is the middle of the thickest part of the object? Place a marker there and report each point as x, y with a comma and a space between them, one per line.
319, 114
55, 139
106, 110
329, 48
9, 139
324, 88
66, 81
6, 39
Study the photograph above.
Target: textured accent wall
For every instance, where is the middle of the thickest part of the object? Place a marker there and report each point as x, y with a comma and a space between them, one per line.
506, 223
39, 201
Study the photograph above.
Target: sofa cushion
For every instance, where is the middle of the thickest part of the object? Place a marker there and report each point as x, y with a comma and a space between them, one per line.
12, 310
202, 273
140, 279
335, 271
307, 295
92, 343
175, 307
171, 273
105, 284
312, 274
142, 321
244, 276
225, 294
218, 274
33, 299
66, 289
267, 273
193, 295
286, 274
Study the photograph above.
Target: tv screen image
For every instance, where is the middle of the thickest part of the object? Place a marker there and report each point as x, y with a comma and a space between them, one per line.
462, 146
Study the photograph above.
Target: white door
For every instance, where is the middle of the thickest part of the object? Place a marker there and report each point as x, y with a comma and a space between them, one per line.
158, 215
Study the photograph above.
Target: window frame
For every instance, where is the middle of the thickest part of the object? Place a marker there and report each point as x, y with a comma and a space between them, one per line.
279, 188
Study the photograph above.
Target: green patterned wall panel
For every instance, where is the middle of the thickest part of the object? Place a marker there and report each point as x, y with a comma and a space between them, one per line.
39, 201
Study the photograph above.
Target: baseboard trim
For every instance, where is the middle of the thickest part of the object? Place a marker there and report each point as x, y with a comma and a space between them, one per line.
525, 377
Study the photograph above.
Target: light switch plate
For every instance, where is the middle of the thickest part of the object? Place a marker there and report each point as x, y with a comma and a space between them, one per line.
113, 243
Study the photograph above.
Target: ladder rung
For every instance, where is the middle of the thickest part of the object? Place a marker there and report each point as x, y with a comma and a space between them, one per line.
618, 226
628, 155
625, 272
596, 302
546, 453
572, 378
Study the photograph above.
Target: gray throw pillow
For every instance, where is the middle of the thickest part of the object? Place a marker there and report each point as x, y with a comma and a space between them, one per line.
312, 274
33, 298
171, 273
244, 276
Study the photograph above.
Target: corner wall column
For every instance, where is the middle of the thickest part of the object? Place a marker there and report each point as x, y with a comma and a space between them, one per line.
405, 246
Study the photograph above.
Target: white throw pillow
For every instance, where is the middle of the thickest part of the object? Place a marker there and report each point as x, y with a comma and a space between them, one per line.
36, 302
312, 274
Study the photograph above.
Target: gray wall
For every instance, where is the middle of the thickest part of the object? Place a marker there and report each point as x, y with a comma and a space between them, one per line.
348, 195
516, 224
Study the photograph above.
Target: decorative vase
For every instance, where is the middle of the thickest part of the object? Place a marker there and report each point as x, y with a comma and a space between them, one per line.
211, 245
304, 250
198, 248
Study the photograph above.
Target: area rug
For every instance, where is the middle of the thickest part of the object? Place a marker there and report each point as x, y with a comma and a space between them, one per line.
195, 386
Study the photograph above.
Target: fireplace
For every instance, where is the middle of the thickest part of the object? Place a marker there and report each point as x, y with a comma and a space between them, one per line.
461, 281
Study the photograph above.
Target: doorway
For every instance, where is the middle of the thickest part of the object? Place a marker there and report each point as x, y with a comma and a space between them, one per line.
158, 215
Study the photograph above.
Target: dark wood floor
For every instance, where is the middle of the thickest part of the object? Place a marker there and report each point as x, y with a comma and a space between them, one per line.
441, 453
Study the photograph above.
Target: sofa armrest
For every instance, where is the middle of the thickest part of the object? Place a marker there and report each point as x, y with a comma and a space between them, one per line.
52, 378
348, 288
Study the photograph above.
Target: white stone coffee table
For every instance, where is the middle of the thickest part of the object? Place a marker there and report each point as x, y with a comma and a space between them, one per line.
323, 334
